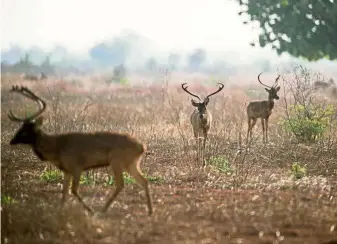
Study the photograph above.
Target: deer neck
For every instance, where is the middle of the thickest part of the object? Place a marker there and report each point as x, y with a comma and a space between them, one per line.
45, 146
271, 103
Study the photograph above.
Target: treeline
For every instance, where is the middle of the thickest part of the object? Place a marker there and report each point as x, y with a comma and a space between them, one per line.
130, 52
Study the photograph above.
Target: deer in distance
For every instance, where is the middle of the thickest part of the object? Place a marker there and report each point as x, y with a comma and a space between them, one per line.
324, 85
262, 110
31, 77
201, 118
76, 152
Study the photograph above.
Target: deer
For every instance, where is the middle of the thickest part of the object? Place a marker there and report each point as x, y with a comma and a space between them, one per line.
201, 118
31, 77
324, 85
262, 109
76, 152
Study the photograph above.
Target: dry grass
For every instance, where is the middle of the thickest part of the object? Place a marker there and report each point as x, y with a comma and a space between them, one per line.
252, 199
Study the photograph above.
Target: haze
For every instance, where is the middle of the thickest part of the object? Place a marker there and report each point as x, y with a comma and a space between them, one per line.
79, 24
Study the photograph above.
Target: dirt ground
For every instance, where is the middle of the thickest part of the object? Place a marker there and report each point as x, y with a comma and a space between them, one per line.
253, 199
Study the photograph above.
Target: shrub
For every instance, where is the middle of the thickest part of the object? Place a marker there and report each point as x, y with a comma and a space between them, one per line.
298, 171
308, 123
221, 164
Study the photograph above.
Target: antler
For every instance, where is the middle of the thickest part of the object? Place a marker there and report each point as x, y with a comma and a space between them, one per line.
220, 88
27, 93
258, 77
185, 89
276, 81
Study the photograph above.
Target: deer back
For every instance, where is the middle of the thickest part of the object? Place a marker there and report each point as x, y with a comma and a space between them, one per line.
88, 150
260, 109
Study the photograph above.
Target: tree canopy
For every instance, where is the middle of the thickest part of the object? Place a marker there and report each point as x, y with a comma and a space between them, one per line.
305, 28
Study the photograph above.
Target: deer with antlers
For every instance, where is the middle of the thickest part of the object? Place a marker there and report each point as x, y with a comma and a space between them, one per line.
262, 109
76, 152
201, 118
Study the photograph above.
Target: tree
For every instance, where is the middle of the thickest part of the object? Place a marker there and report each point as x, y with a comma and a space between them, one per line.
197, 58
173, 61
305, 28
151, 64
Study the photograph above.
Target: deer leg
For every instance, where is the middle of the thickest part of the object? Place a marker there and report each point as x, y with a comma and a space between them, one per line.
205, 137
263, 130
248, 130
252, 126
74, 190
135, 172
267, 130
119, 186
65, 188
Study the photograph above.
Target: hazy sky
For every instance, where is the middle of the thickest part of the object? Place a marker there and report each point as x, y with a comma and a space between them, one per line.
78, 24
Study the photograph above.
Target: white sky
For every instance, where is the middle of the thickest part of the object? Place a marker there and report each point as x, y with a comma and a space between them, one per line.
78, 24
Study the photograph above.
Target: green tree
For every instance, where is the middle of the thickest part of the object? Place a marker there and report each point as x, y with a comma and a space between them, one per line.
302, 28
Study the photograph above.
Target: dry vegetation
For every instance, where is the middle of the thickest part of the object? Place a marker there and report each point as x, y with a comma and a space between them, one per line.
241, 196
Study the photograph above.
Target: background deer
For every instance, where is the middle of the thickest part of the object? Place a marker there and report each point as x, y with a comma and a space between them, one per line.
262, 109
323, 85
74, 153
201, 118
31, 77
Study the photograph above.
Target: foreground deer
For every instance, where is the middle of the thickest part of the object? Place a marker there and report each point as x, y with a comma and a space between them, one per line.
262, 109
201, 118
76, 152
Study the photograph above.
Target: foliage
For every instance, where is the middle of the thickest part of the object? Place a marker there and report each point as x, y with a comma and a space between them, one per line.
221, 164
151, 64
308, 123
127, 179
110, 53
197, 58
173, 61
51, 176
298, 171
7, 200
305, 116
156, 179
301, 28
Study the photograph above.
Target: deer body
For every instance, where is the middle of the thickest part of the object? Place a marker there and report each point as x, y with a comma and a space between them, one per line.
201, 118
262, 110
201, 123
74, 153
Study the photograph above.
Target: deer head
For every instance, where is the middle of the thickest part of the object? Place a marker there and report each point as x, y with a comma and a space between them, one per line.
201, 105
28, 132
272, 90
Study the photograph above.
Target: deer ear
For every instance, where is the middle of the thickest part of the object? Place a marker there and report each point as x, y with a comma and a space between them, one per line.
278, 88
39, 121
194, 103
267, 90
206, 101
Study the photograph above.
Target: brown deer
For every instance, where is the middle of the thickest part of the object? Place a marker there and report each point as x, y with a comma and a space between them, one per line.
262, 109
201, 118
31, 77
323, 85
76, 152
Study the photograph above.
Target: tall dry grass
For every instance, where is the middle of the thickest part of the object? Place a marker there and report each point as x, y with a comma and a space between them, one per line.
159, 116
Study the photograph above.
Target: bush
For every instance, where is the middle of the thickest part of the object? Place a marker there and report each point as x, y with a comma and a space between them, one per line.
308, 123
221, 164
298, 171
307, 117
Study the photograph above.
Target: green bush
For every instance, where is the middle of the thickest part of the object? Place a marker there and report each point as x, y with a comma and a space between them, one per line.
221, 164
51, 176
308, 123
298, 171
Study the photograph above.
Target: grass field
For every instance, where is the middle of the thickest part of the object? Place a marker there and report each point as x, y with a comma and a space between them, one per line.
281, 192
